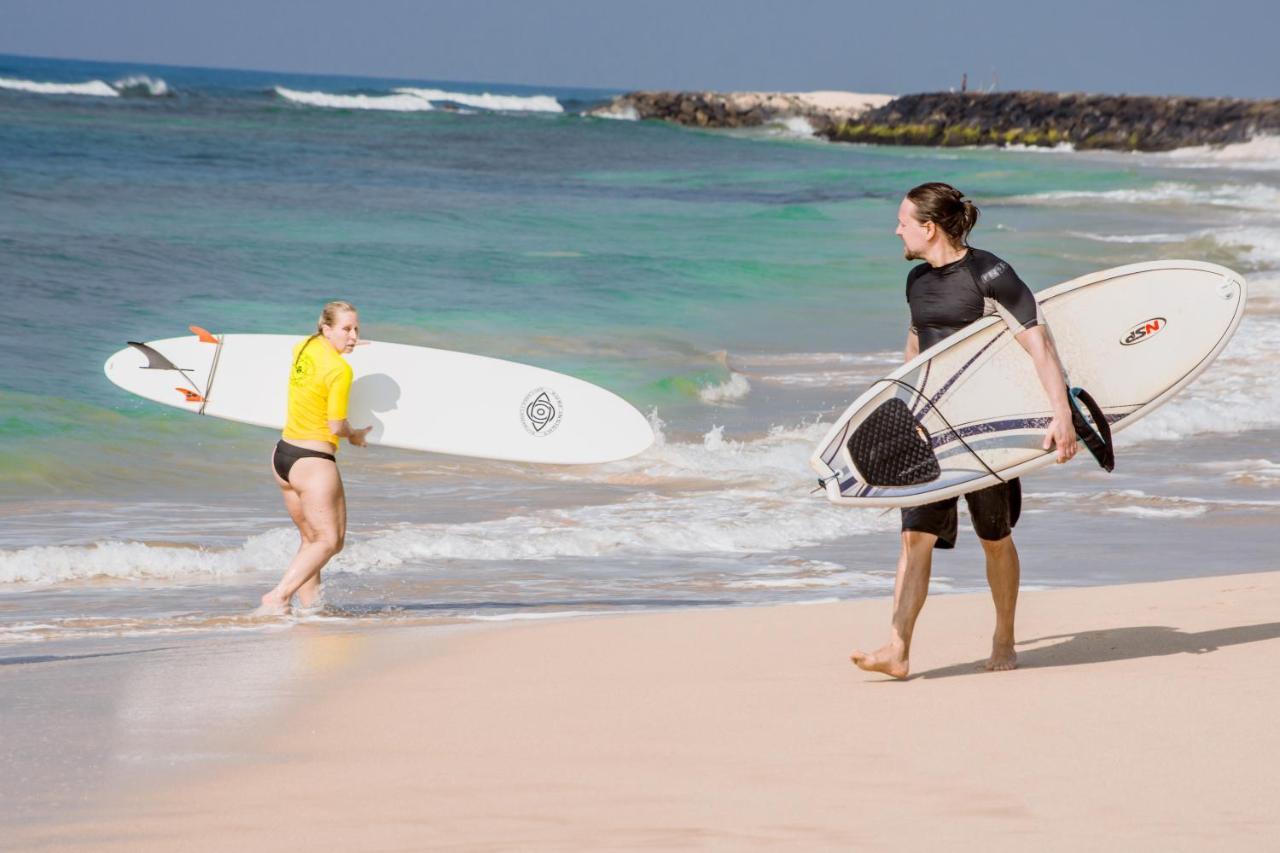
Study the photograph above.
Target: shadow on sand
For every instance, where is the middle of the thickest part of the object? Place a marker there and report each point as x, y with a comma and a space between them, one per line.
1112, 644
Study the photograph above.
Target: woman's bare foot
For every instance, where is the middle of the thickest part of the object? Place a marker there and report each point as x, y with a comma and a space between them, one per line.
272, 605
890, 659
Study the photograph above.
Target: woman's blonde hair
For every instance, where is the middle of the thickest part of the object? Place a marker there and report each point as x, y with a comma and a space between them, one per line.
329, 315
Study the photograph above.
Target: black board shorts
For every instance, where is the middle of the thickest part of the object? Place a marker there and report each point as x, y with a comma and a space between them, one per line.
993, 510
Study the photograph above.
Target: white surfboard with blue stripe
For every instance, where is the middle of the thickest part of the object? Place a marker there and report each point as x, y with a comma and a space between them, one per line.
1131, 336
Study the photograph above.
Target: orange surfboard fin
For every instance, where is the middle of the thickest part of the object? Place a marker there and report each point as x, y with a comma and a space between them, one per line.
192, 396
203, 335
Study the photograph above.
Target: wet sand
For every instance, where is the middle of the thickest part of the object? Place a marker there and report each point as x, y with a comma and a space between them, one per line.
1141, 717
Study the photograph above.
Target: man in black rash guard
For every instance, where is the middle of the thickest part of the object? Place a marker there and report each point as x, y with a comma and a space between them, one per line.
955, 286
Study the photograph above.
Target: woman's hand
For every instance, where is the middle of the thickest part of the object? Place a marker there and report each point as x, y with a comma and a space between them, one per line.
343, 429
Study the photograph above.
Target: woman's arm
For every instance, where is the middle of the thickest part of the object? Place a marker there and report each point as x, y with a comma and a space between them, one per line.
343, 429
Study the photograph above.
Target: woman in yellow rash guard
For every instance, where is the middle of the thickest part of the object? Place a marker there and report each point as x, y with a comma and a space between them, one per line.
304, 464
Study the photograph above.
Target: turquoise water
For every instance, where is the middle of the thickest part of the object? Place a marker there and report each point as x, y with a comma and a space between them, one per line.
740, 286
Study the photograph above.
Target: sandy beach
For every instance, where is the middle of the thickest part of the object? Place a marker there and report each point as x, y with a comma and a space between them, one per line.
1140, 719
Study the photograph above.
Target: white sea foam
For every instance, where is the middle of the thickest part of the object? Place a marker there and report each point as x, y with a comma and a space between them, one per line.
1130, 501
488, 101
1245, 472
875, 359
1060, 148
734, 388
797, 126
1160, 512
1255, 196
624, 114
141, 84
778, 460
1261, 153
532, 617
754, 499
95, 88
1261, 245
395, 103
1237, 392
1140, 238
812, 574
816, 370
733, 521
736, 521
141, 561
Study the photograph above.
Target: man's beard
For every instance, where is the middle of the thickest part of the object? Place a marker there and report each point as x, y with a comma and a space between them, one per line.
909, 255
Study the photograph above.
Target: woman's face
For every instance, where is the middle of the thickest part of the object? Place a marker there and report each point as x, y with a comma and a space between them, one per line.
345, 331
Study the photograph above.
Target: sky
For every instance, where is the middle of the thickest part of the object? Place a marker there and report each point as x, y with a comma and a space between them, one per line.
1172, 47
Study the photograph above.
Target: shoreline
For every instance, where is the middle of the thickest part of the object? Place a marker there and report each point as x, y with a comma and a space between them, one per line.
747, 727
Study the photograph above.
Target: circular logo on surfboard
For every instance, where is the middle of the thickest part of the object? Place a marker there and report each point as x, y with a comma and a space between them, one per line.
541, 412
1143, 331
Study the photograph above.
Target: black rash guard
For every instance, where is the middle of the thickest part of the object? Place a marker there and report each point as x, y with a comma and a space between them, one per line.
943, 300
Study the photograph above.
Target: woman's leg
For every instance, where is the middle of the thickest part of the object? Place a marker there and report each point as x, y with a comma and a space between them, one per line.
309, 592
321, 516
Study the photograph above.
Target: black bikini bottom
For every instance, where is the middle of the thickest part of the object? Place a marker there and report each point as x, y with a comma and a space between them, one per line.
286, 454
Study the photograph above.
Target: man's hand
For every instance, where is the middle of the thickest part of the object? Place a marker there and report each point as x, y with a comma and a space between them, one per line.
1062, 435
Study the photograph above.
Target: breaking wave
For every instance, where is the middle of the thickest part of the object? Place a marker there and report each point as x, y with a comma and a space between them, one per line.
138, 85
1256, 196
412, 99
488, 101
718, 496
394, 103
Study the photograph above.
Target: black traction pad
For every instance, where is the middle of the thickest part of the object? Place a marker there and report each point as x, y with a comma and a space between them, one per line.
891, 448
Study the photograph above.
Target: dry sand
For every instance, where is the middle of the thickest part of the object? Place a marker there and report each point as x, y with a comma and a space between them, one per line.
1142, 718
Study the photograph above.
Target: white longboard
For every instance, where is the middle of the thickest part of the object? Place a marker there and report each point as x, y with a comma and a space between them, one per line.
414, 397
1131, 336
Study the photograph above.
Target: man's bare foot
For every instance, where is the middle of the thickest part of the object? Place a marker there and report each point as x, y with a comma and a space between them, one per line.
272, 605
1003, 657
890, 659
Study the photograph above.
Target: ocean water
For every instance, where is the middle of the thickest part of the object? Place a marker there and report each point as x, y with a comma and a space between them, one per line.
740, 287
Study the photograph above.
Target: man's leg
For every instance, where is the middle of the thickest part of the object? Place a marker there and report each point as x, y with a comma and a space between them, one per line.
909, 591
1003, 575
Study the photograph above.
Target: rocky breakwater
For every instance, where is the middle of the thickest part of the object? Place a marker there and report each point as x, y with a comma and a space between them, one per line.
824, 111
1117, 122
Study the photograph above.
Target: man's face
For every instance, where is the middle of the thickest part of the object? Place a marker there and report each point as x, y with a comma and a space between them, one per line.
915, 234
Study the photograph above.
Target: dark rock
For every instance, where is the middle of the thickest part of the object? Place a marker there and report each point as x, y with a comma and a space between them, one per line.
1123, 122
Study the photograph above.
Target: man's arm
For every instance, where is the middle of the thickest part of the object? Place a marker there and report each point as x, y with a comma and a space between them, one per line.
912, 348
1061, 432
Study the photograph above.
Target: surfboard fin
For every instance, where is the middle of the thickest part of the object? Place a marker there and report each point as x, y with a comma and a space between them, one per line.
155, 361
203, 334
192, 396
1096, 436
